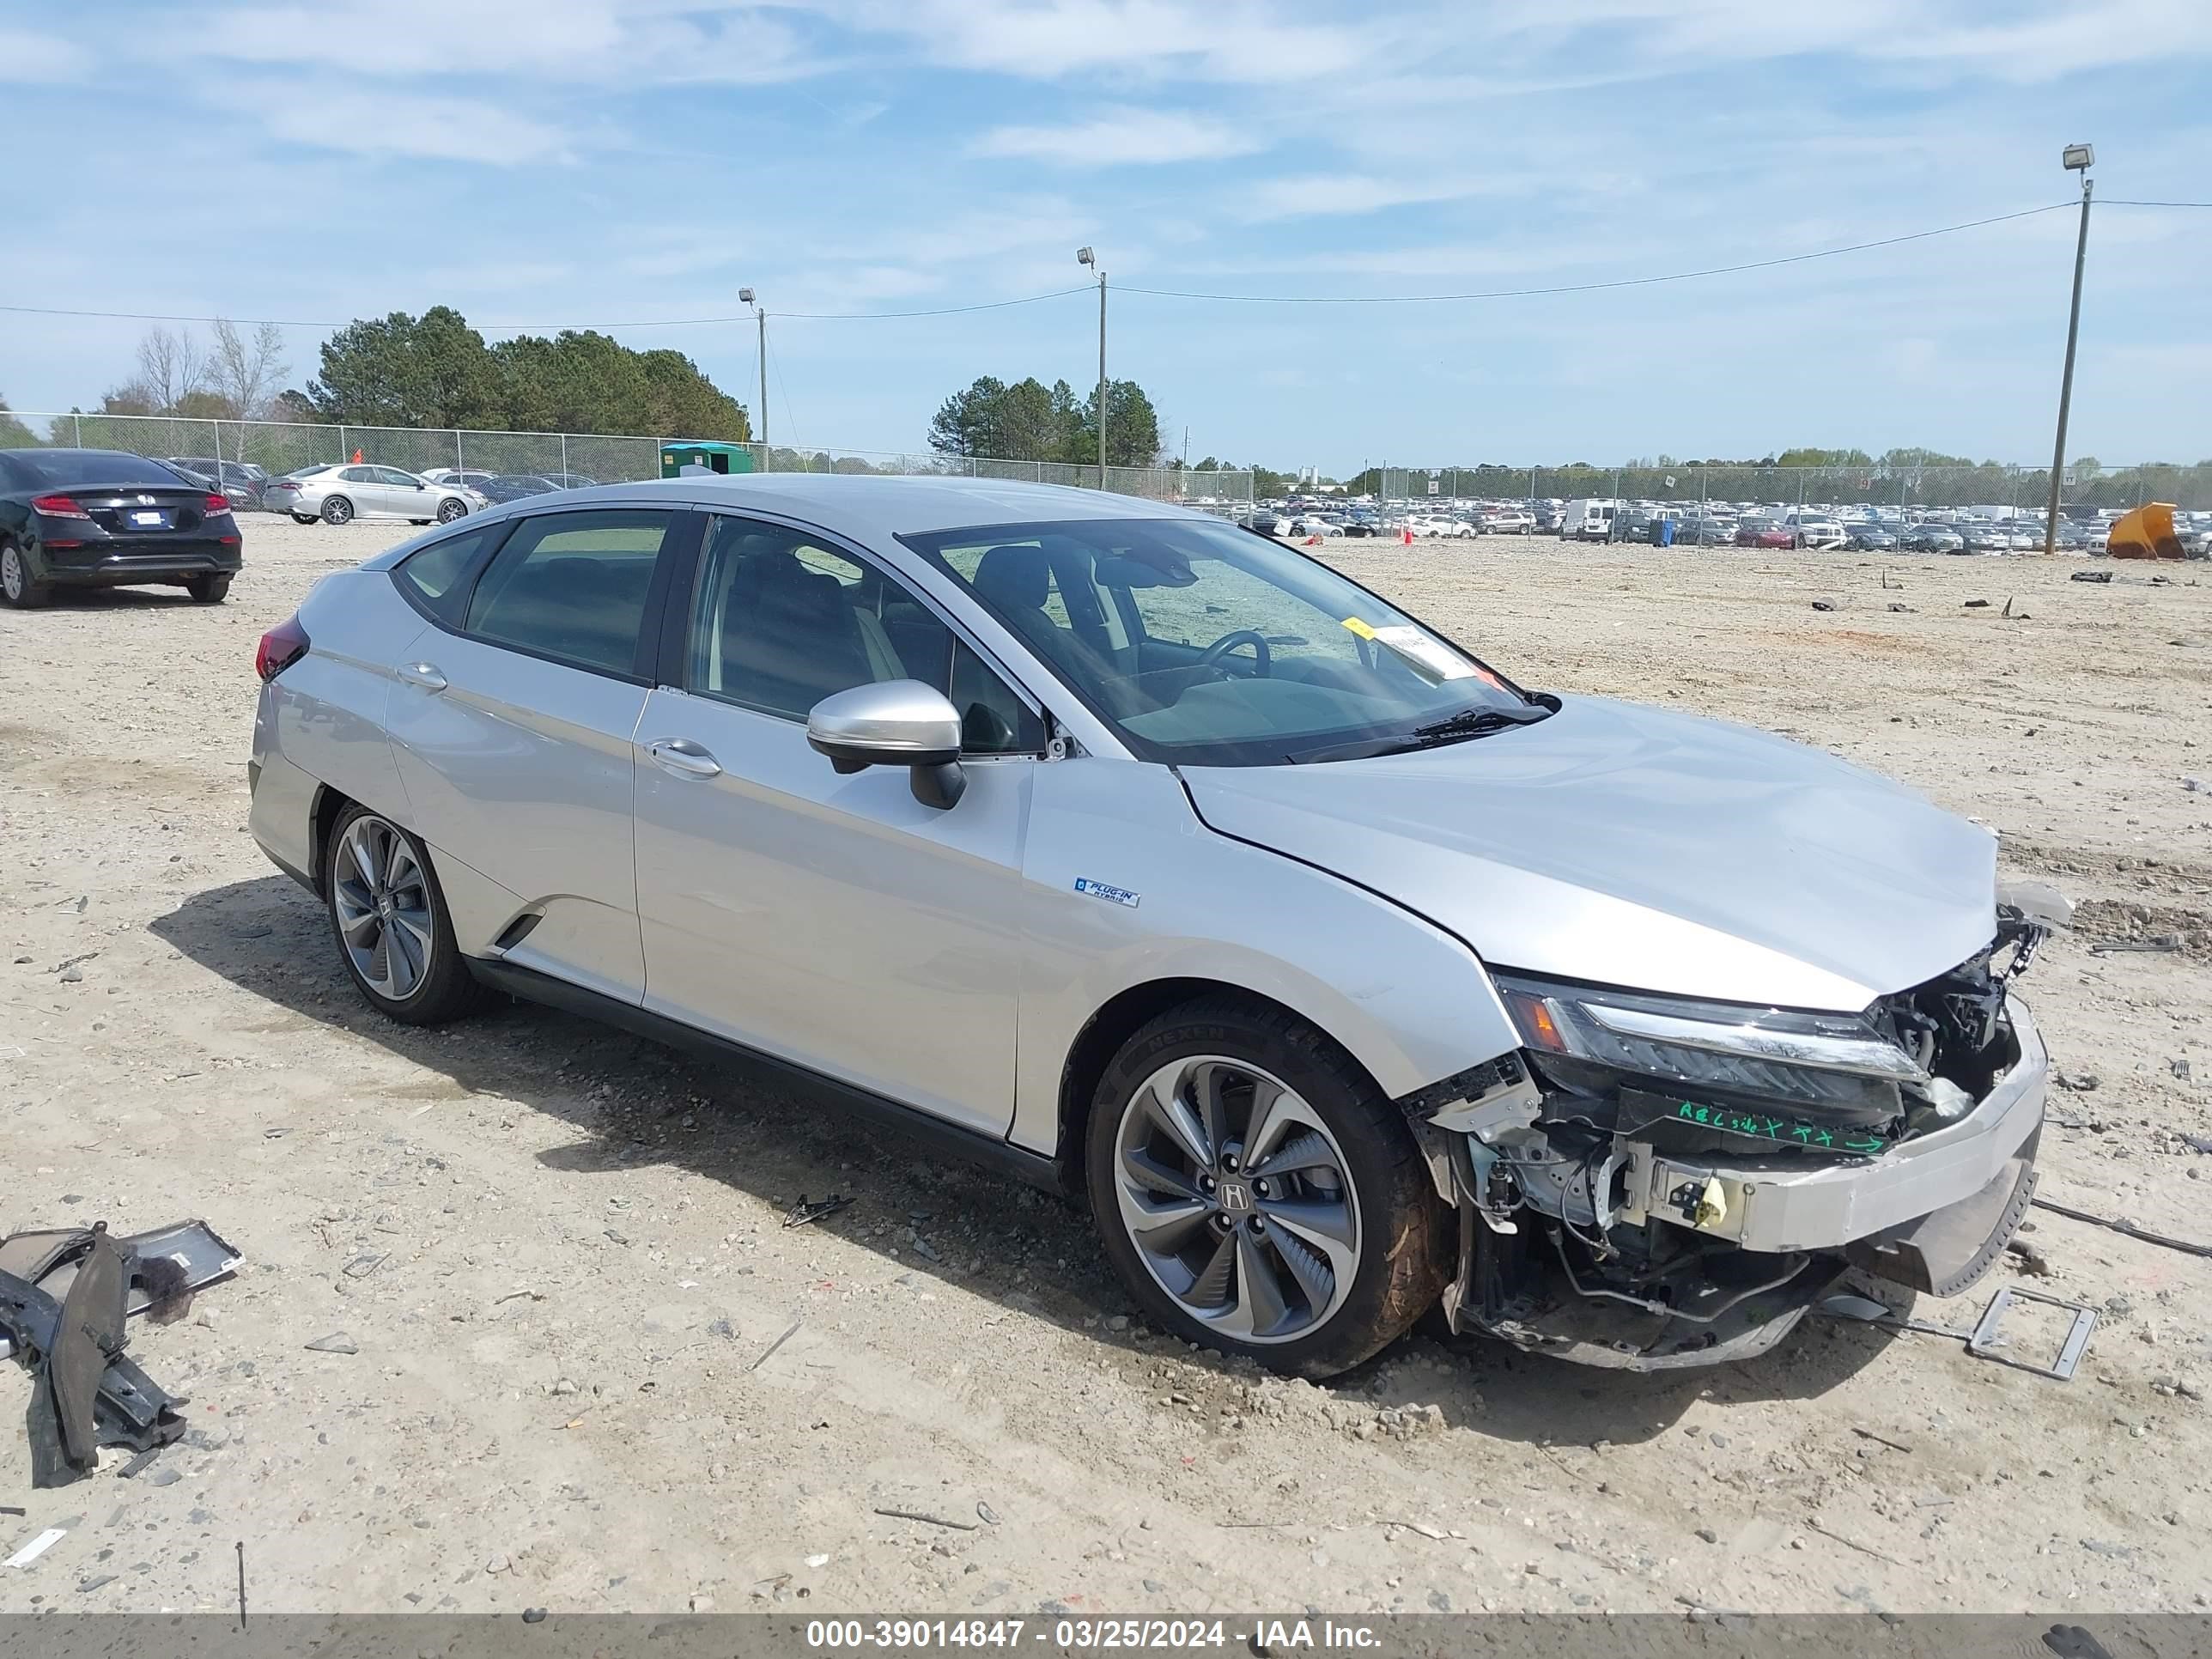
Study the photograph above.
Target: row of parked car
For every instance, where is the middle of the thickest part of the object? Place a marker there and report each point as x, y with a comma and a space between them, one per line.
1300, 520
338, 492
1863, 528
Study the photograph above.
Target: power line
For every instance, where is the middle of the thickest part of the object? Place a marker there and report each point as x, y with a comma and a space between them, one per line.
1153, 293
1588, 287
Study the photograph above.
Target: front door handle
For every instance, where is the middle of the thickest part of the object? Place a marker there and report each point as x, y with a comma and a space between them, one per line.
683, 757
423, 674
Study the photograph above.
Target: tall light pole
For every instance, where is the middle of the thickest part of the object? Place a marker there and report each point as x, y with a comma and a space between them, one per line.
2075, 158
1085, 256
760, 317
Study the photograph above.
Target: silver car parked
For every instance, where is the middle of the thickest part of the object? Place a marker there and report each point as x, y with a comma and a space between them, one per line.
340, 494
1136, 853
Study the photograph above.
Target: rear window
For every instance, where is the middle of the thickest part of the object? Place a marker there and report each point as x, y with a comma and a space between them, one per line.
76, 468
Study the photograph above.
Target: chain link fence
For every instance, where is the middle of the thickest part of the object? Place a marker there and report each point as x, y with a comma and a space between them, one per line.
569, 457
2006, 489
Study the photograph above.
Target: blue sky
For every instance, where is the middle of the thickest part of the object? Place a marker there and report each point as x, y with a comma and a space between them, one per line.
584, 161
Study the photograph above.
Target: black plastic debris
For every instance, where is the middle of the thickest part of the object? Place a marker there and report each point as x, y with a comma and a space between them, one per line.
66, 1297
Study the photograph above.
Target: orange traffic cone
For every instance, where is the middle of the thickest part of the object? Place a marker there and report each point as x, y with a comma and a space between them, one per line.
1406, 537
1313, 541
356, 458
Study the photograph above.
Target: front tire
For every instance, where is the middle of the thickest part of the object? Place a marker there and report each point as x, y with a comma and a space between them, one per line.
1257, 1193
209, 590
17, 590
450, 509
393, 933
338, 510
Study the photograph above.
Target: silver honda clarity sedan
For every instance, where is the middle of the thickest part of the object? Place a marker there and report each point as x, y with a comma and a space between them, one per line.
1135, 853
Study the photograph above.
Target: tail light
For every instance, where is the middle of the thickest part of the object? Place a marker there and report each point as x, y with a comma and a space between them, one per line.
58, 507
281, 647
216, 504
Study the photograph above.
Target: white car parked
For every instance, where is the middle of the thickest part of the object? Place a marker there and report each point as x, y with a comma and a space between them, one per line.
339, 494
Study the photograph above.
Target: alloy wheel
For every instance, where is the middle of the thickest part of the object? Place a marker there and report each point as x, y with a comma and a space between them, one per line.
1237, 1199
449, 511
381, 895
11, 572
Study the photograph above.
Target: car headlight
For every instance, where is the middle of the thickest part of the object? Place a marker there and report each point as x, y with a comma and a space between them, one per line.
1811, 1059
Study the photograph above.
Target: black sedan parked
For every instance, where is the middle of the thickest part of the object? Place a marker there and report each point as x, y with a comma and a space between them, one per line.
242, 481
514, 486
98, 518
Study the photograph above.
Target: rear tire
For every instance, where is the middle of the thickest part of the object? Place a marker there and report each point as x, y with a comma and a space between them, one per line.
1323, 1245
17, 590
338, 510
389, 917
208, 589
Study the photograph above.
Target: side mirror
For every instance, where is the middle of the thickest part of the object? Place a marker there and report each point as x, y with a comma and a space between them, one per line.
894, 723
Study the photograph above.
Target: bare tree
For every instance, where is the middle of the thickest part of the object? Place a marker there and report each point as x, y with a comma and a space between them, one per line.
171, 367
246, 374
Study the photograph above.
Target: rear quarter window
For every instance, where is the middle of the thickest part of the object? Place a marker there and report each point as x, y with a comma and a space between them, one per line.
435, 576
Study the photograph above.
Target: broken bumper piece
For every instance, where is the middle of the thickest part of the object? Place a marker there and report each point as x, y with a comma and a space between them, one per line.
66, 1297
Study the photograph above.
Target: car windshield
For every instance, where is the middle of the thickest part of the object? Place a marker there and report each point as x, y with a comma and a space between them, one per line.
1207, 645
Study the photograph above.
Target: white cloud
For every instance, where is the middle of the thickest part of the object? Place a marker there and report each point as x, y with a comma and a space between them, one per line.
608, 42
1313, 195
380, 122
1123, 136
35, 60
1233, 42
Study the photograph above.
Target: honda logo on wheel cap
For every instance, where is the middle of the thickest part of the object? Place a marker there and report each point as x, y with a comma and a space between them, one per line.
1234, 1195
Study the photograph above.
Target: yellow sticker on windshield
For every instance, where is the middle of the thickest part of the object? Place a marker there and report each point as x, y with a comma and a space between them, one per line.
1359, 628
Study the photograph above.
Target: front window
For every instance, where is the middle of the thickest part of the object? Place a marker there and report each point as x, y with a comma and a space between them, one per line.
1207, 645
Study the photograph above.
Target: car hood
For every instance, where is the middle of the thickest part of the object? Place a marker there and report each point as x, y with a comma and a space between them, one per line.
1633, 846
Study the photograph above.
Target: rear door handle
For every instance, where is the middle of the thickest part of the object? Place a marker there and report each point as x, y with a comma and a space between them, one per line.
423, 674
683, 757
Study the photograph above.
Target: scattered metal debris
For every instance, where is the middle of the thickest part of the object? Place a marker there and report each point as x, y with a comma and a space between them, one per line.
790, 1331
933, 1520
2128, 1228
804, 1213
1853, 1544
1984, 1343
336, 1342
2091, 576
2154, 946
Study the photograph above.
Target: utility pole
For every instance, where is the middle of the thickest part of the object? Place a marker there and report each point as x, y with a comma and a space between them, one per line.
1085, 256
2075, 158
760, 317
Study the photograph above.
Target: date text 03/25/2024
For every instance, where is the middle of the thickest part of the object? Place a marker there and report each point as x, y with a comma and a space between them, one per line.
1093, 1635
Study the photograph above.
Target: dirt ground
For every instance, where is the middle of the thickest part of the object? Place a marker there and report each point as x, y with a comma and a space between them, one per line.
594, 1371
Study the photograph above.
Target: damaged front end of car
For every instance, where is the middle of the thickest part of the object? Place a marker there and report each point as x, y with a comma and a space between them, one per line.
1651, 1183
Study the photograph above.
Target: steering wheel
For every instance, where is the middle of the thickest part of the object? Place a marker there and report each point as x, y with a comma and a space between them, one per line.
1211, 658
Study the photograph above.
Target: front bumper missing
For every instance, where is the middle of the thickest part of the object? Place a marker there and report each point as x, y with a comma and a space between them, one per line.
1934, 1213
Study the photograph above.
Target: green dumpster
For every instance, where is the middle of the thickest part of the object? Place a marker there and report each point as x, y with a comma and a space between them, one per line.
675, 457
